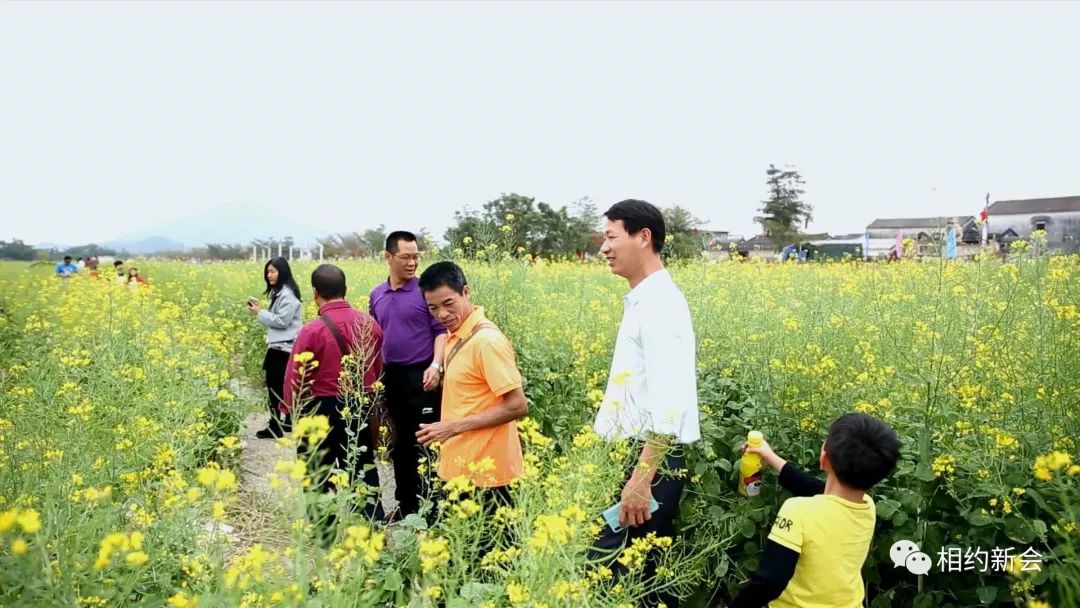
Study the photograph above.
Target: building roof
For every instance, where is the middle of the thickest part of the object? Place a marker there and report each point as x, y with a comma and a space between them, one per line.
764, 242
1035, 205
915, 223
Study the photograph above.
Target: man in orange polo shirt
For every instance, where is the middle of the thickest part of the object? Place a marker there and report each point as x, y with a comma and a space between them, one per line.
482, 389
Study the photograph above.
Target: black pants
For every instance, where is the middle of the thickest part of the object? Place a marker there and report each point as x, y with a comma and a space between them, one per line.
490, 499
274, 363
667, 490
410, 406
346, 447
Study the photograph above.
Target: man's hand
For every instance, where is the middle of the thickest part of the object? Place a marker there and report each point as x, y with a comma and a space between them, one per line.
437, 431
431, 378
634, 508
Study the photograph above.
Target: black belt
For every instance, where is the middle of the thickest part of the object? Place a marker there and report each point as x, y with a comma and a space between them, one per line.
422, 364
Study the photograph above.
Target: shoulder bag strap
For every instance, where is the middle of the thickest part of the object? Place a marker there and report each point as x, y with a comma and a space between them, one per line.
457, 347
343, 346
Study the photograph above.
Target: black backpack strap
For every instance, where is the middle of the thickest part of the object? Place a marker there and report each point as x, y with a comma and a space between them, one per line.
343, 346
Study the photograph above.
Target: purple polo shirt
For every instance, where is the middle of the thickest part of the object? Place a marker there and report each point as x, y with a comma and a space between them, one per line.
409, 330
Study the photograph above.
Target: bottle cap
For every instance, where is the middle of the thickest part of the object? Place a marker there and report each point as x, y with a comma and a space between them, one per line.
755, 438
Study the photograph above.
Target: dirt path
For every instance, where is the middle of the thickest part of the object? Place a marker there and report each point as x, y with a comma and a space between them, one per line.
258, 456
255, 517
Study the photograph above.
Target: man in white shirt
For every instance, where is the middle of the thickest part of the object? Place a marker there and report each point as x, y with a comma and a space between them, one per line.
651, 395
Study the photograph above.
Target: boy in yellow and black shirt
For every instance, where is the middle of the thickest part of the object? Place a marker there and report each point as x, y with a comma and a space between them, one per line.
820, 539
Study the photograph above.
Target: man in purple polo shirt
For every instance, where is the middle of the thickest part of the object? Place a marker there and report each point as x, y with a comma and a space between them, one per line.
413, 342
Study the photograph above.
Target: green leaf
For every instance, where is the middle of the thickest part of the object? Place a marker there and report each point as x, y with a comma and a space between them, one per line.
978, 519
1019, 531
1040, 528
392, 580
722, 567
1037, 498
747, 528
887, 508
987, 594
724, 464
478, 591
923, 472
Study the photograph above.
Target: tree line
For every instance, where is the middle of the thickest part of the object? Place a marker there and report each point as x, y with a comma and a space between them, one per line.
515, 223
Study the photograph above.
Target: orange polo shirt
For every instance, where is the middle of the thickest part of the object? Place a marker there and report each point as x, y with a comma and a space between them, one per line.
482, 371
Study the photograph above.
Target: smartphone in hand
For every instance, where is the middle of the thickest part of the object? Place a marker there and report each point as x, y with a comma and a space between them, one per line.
611, 515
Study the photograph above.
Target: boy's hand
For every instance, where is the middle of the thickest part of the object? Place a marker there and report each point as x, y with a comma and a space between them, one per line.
768, 456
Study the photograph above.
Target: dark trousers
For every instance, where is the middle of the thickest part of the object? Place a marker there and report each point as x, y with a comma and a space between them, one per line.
667, 489
346, 447
274, 364
490, 499
409, 406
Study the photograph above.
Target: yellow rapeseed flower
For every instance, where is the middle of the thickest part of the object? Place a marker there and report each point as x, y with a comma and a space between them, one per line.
18, 547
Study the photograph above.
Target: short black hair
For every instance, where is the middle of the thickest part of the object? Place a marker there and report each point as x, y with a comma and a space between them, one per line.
329, 281
442, 274
67, 258
636, 215
118, 263
397, 236
862, 449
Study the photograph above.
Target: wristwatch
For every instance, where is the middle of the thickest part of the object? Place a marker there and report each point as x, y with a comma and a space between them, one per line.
437, 366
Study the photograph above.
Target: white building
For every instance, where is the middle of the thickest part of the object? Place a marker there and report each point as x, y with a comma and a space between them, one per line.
1059, 217
927, 232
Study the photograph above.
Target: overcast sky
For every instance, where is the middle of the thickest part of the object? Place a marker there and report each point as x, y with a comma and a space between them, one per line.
118, 117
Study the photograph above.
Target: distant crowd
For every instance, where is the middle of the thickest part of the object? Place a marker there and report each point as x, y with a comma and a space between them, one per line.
68, 269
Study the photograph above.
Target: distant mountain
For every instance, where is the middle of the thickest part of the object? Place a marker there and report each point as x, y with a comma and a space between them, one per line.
149, 245
227, 224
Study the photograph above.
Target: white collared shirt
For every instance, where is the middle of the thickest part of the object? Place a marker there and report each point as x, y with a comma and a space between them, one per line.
653, 381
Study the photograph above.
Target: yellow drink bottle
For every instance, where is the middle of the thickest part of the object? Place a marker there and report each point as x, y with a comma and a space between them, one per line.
751, 468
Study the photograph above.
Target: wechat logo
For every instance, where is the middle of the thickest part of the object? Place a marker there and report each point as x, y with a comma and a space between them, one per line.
906, 553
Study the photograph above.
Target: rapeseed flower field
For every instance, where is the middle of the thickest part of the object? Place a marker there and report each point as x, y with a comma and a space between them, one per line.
121, 412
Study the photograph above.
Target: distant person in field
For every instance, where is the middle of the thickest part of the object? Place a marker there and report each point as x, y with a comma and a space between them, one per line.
339, 330
282, 318
651, 396
482, 390
121, 274
413, 344
66, 269
135, 279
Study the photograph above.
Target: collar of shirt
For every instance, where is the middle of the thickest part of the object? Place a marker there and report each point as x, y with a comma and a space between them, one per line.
335, 305
408, 286
646, 286
470, 323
